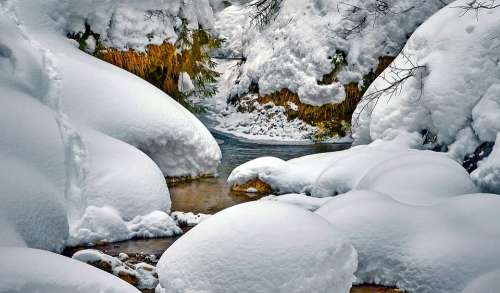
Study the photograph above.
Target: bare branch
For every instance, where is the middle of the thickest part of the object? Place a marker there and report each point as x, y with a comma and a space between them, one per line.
395, 77
474, 6
264, 12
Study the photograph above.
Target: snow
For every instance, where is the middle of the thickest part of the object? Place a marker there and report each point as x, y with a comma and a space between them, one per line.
130, 24
185, 85
295, 50
440, 248
104, 224
455, 92
76, 143
292, 51
188, 219
259, 247
32, 270
411, 176
306, 202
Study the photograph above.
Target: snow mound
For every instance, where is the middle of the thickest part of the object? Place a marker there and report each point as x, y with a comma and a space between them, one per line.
419, 249
411, 176
452, 94
259, 247
104, 224
419, 177
31, 270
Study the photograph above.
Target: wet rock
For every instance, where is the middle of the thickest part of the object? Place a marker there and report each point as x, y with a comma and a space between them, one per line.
483, 151
255, 186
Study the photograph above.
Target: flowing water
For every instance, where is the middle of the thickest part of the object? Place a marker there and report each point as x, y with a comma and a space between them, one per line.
211, 195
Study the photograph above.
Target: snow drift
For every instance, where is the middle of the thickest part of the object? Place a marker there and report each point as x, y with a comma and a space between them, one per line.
259, 247
412, 176
419, 249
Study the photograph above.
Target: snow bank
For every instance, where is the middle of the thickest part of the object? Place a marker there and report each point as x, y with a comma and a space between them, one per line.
74, 139
412, 176
259, 247
31, 270
454, 94
298, 48
419, 249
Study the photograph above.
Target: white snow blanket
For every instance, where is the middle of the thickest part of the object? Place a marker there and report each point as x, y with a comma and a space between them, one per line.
306, 40
455, 94
419, 249
412, 176
86, 146
32, 270
259, 247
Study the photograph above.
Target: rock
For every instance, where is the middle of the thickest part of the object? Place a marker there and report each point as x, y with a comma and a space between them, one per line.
256, 186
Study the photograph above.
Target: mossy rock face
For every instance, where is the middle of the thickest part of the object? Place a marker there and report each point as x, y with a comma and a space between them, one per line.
331, 119
255, 186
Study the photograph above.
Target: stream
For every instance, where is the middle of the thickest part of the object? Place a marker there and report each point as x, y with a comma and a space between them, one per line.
211, 195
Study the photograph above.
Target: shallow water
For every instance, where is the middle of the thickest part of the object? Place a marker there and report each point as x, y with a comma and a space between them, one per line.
211, 195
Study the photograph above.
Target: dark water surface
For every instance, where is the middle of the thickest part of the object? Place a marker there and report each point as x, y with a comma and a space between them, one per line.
212, 195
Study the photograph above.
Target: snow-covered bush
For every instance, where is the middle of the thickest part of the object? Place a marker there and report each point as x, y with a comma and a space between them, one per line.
259, 247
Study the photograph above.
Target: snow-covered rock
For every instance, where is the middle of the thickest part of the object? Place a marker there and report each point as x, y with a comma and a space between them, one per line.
411, 176
259, 247
32, 270
454, 92
419, 248
141, 275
